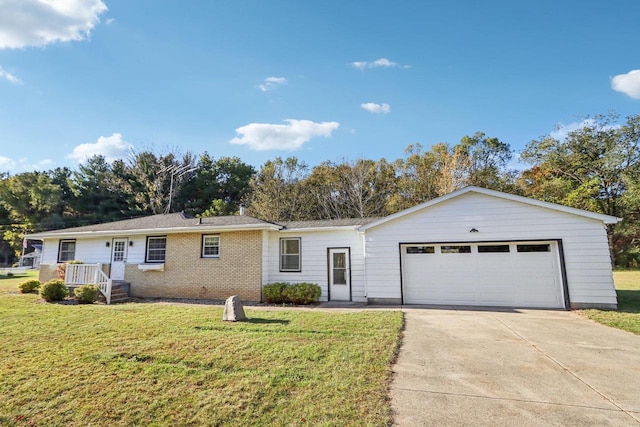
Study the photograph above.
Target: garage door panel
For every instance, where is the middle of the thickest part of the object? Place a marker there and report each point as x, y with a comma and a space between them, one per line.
521, 277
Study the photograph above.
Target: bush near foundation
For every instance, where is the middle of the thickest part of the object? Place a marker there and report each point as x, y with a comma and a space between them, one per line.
54, 290
272, 292
86, 294
291, 293
302, 293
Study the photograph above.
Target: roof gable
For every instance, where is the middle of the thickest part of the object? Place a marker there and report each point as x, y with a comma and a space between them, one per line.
607, 219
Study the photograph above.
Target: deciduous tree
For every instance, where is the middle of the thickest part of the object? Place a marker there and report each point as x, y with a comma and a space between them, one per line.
596, 167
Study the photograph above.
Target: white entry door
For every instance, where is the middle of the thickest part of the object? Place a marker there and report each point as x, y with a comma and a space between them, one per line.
339, 275
118, 258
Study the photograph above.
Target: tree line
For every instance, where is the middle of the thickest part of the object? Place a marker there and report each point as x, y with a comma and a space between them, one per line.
595, 167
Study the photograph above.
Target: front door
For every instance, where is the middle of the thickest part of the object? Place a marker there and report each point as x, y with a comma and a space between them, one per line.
118, 258
339, 274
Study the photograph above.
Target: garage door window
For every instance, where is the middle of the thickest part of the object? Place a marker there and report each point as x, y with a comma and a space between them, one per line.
534, 248
455, 249
420, 250
486, 249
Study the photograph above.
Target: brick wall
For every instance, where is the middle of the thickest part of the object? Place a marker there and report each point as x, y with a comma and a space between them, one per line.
47, 272
238, 270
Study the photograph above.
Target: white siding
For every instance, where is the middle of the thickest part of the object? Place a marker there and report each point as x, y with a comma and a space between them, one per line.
94, 250
587, 258
314, 245
49, 251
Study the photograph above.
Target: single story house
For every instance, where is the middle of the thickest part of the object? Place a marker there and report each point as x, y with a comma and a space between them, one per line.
472, 247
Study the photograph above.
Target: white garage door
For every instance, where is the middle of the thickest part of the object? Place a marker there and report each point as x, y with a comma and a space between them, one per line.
509, 274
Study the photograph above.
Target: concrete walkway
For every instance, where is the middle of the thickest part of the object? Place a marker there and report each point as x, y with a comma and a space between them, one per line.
518, 367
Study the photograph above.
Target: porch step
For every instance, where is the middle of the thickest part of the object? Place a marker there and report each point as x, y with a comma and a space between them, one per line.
119, 292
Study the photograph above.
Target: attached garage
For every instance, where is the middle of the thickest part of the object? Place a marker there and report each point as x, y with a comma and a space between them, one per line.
513, 274
479, 247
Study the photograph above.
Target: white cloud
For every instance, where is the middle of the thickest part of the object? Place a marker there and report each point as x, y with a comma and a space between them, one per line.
111, 147
271, 83
562, 131
9, 77
23, 165
41, 22
291, 136
378, 63
372, 107
629, 83
6, 164
110, 21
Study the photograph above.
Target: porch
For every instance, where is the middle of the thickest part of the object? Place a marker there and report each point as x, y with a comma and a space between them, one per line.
93, 274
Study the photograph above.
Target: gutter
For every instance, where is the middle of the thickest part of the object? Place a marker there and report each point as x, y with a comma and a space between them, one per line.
331, 228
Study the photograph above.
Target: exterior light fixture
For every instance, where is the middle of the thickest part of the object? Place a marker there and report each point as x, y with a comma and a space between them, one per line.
107, 244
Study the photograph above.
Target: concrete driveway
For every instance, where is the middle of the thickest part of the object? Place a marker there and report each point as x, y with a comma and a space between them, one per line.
518, 367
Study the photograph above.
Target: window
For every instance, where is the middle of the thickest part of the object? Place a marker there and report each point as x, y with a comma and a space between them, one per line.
290, 254
455, 249
211, 246
485, 249
67, 250
420, 250
156, 249
534, 248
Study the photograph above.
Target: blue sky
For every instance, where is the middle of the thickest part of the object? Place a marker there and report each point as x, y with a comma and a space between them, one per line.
319, 80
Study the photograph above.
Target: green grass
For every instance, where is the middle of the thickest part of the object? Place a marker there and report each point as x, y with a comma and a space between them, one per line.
628, 315
167, 364
7, 282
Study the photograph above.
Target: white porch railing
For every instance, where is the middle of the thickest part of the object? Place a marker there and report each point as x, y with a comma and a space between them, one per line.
89, 274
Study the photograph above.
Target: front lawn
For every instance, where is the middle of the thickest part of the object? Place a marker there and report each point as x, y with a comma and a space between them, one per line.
628, 315
155, 363
10, 279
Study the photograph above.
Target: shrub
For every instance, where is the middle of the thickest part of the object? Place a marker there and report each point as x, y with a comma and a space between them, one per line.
28, 286
296, 293
62, 268
273, 292
54, 290
302, 293
9, 274
86, 294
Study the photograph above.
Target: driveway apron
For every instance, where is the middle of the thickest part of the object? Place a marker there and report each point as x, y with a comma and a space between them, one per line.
514, 367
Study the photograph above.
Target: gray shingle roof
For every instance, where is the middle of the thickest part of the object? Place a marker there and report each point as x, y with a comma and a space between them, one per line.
161, 222
176, 221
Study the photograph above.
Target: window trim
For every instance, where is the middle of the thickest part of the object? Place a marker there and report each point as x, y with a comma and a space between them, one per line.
146, 250
281, 254
60, 260
531, 248
420, 249
498, 248
455, 249
202, 246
